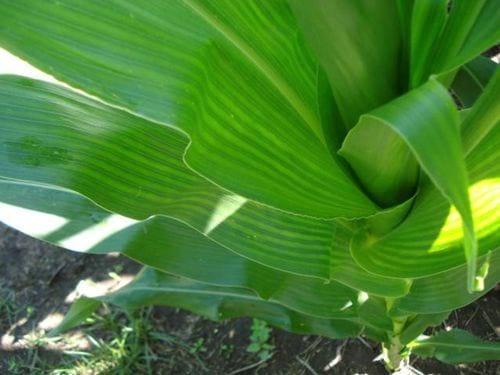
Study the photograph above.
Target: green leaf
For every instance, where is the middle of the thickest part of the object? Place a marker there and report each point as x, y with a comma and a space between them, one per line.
456, 346
426, 119
344, 269
55, 137
259, 137
80, 310
429, 240
483, 116
471, 28
71, 221
405, 10
373, 312
60, 123
382, 161
445, 291
427, 21
331, 119
151, 287
360, 58
472, 78
418, 324
217, 303
177, 249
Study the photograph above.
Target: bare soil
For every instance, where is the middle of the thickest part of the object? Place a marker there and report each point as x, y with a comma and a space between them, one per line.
39, 277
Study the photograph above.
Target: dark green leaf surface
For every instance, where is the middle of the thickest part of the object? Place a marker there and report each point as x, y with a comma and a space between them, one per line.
418, 324
445, 291
56, 137
151, 287
165, 244
217, 303
472, 79
483, 116
456, 346
373, 312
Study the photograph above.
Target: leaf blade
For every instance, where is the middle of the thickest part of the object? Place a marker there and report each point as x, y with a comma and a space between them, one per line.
427, 120
170, 72
456, 346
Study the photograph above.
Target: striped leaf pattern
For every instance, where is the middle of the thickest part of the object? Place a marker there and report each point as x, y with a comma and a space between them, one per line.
293, 161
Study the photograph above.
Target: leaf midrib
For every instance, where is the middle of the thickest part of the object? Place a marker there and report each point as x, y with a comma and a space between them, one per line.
271, 74
467, 346
195, 291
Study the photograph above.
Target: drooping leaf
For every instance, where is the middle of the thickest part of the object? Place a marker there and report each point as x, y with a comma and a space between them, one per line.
54, 136
456, 346
155, 288
71, 221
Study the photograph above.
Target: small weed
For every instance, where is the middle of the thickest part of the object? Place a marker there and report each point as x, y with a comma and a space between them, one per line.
122, 347
259, 340
30, 310
198, 346
120, 344
226, 350
8, 308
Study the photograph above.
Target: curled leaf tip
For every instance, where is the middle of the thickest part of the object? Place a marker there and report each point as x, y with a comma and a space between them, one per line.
479, 280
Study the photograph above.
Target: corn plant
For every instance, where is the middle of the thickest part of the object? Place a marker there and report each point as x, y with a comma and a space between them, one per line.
330, 167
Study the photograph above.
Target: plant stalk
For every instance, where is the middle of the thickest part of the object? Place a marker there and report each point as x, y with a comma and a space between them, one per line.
394, 352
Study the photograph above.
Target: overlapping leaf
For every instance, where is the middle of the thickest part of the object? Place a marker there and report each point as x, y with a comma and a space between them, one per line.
235, 76
419, 323
471, 80
471, 28
445, 291
230, 90
151, 287
456, 346
429, 240
483, 116
149, 178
